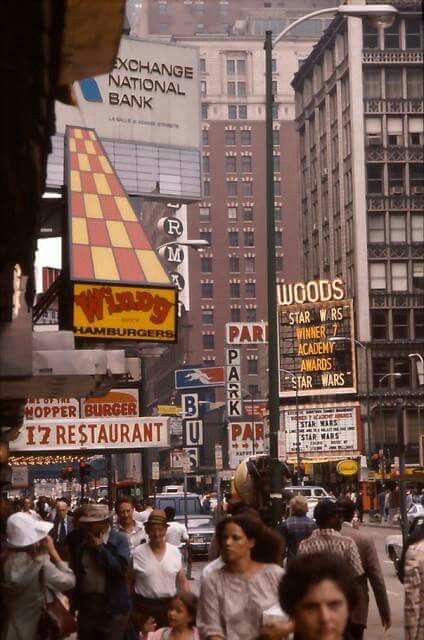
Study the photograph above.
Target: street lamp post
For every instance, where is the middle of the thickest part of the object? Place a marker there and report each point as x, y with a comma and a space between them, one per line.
384, 15
294, 381
383, 417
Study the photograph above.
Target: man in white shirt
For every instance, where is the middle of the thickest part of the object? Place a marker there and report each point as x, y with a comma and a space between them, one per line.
158, 573
176, 532
127, 524
143, 516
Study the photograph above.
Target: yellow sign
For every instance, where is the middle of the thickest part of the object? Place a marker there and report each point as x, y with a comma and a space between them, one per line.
169, 409
109, 312
347, 468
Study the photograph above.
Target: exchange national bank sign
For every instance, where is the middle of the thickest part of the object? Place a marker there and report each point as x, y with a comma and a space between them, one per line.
316, 341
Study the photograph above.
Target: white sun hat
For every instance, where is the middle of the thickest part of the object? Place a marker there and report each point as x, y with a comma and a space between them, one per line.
23, 530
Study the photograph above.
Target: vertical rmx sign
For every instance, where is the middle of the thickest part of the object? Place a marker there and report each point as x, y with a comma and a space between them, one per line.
233, 382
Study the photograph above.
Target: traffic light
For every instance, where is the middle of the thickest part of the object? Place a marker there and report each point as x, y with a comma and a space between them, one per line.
67, 473
375, 462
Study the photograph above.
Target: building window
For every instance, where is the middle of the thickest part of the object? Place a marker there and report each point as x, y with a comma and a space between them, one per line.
416, 178
232, 213
374, 179
278, 213
249, 239
234, 290
278, 238
380, 367
419, 324
376, 231
247, 188
203, 88
417, 227
275, 110
204, 111
399, 276
233, 239
206, 235
251, 315
249, 264
207, 290
276, 137
230, 138
372, 83
242, 111
246, 164
207, 316
370, 36
418, 276
253, 389
252, 366
236, 89
379, 325
231, 88
205, 164
202, 62
248, 213
279, 263
396, 175
402, 366
397, 227
277, 187
206, 265
245, 138
234, 264
237, 112
414, 83
205, 137
392, 36
232, 112
393, 83
378, 276
205, 214
276, 163
231, 67
414, 33
400, 324
250, 290
206, 188
230, 164
274, 87
208, 341
235, 315
231, 188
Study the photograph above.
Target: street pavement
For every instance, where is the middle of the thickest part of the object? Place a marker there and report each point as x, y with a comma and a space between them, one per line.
394, 588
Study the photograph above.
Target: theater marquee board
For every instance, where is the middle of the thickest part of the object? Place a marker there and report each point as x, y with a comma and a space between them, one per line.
323, 429
315, 326
86, 435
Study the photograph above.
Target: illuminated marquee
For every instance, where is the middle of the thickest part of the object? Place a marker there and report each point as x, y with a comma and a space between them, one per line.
310, 316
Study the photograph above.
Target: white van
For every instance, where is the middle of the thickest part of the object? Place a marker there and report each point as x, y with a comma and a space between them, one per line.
173, 488
308, 492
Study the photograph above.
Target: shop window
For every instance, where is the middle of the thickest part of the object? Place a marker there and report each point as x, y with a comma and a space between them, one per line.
400, 324
379, 325
207, 316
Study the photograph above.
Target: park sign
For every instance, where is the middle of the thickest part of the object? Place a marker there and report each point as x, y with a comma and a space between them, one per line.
316, 341
87, 435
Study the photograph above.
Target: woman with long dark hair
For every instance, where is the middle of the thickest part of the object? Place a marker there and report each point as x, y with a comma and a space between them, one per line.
233, 599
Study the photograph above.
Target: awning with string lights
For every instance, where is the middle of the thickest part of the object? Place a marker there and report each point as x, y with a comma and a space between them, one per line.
120, 290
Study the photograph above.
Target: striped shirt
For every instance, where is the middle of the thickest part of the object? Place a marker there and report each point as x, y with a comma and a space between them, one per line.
331, 541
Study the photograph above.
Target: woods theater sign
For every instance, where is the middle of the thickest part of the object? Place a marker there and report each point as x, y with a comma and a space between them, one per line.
312, 291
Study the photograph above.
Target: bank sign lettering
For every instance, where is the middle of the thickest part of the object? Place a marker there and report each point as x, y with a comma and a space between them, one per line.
316, 347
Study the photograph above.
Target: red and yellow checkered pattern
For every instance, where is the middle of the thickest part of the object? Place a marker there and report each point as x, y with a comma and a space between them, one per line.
107, 242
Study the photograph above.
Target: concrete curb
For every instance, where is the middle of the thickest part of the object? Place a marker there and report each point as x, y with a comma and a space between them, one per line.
377, 525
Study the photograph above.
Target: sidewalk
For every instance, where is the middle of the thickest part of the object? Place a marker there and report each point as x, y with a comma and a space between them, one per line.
380, 525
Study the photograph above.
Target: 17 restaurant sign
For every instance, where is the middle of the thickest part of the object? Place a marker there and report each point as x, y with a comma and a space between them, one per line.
87, 435
316, 342
323, 429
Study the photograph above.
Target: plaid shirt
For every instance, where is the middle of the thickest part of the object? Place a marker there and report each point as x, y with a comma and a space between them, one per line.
294, 530
414, 591
331, 541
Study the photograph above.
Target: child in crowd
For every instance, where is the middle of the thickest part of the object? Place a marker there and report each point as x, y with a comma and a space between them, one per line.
181, 618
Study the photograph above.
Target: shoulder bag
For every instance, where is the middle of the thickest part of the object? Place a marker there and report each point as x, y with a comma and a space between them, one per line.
56, 622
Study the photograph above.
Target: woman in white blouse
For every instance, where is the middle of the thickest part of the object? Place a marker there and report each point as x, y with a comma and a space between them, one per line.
234, 598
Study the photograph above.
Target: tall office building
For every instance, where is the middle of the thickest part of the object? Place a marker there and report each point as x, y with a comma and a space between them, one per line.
228, 280
359, 108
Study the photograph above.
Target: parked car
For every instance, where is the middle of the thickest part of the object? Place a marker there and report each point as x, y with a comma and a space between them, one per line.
176, 500
416, 510
200, 532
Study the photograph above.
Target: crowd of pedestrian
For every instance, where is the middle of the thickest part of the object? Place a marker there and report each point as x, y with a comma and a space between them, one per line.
123, 577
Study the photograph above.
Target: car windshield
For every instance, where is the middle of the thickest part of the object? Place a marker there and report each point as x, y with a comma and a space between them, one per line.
201, 523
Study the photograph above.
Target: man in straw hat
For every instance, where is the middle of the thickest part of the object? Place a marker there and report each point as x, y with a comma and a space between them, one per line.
100, 558
158, 573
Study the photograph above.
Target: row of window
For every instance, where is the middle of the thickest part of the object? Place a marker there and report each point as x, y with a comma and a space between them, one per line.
235, 66
397, 276
234, 188
235, 290
403, 34
236, 111
383, 366
231, 164
394, 228
393, 82
206, 264
233, 212
208, 316
397, 176
397, 324
235, 89
245, 138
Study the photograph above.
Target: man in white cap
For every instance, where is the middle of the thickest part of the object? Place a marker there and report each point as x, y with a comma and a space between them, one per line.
99, 556
31, 563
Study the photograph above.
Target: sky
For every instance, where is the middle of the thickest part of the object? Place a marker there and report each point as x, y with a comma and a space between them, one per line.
49, 254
